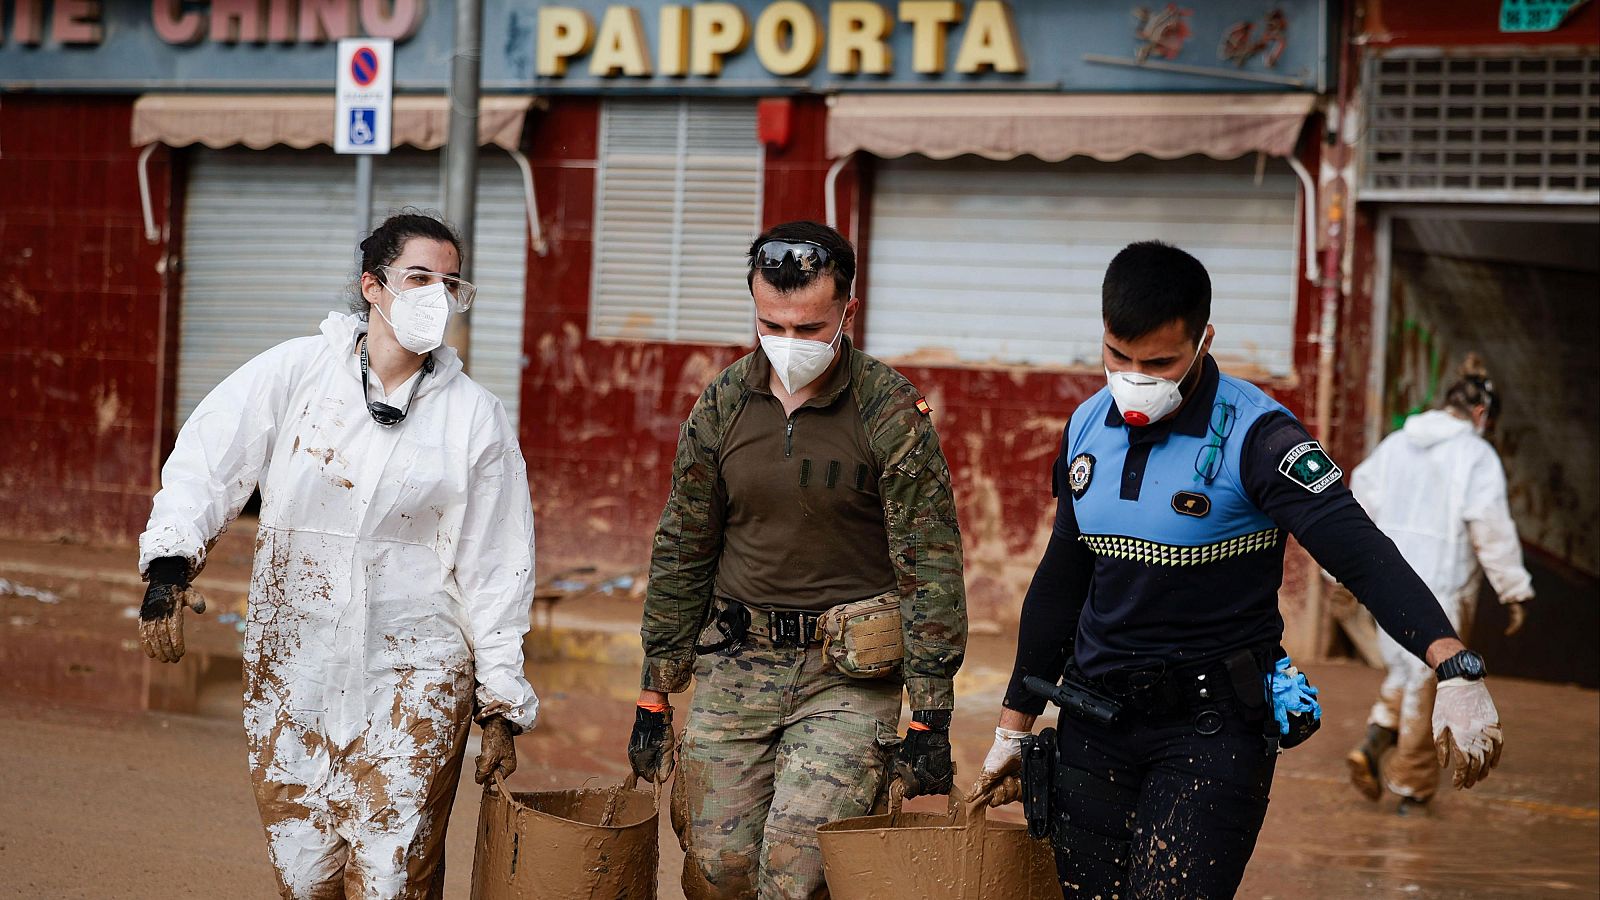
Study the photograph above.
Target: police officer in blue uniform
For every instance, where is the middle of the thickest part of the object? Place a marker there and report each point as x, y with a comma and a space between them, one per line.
1156, 607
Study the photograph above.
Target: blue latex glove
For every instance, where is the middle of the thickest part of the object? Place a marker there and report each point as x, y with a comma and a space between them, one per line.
1291, 693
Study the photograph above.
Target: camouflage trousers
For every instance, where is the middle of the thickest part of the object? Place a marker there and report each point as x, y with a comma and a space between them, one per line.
778, 742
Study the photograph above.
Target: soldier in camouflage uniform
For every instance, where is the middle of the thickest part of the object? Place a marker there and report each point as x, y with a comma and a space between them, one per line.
807, 476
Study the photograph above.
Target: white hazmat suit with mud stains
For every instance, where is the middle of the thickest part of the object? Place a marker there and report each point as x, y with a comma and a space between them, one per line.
1438, 490
392, 581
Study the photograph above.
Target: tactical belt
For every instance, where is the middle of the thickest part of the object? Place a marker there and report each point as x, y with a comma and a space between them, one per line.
1159, 691
782, 627
785, 627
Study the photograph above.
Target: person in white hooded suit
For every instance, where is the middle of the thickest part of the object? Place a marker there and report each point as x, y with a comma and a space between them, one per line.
392, 580
1438, 489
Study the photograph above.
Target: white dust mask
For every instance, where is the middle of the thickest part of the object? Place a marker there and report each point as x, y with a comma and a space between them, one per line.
1143, 399
798, 362
420, 314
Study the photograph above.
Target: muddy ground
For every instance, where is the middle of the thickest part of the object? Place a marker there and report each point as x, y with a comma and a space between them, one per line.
103, 798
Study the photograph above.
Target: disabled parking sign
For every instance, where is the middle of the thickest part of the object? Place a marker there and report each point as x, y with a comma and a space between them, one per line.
365, 95
363, 126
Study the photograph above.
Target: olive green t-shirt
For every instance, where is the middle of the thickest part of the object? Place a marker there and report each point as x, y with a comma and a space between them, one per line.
803, 521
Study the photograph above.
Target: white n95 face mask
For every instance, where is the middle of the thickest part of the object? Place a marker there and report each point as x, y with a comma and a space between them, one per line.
798, 362
420, 314
1143, 399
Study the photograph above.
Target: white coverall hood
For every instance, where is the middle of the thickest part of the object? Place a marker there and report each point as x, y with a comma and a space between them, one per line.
1439, 491
391, 589
1433, 427
341, 330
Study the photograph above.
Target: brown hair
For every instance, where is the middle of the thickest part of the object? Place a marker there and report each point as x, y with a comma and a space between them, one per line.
386, 242
788, 277
1473, 388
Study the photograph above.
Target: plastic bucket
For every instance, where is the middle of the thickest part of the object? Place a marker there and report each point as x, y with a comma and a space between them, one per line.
551, 845
959, 855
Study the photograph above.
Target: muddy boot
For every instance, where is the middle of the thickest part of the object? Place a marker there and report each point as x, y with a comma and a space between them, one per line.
1363, 760
1412, 808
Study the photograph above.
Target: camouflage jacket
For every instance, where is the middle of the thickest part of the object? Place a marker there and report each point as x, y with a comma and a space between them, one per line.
919, 515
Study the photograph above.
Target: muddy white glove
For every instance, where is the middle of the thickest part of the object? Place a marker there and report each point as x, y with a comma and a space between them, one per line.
1466, 730
1003, 762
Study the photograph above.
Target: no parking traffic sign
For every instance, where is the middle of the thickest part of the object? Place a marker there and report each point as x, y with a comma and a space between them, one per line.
365, 92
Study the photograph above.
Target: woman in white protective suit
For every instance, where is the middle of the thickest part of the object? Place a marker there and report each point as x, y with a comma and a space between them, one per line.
1437, 488
393, 572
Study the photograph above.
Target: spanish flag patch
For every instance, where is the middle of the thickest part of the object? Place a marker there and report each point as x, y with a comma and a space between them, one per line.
923, 407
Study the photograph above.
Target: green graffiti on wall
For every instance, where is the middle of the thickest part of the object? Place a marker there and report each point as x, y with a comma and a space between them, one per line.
1421, 339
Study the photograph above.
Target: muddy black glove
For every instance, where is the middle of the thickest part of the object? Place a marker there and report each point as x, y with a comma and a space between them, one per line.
650, 745
161, 616
499, 753
923, 762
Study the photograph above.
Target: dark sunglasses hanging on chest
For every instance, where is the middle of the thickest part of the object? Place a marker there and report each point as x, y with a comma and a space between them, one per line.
382, 413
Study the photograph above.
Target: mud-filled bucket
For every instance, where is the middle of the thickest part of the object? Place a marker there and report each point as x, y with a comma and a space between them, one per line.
551, 845
958, 855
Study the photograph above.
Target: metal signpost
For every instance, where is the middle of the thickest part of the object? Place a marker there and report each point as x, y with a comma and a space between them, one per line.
361, 123
461, 151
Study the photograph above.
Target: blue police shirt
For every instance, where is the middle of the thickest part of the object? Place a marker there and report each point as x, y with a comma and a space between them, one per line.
1169, 539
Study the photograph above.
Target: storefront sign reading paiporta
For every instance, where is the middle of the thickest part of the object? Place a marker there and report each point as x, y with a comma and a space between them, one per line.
789, 38
734, 47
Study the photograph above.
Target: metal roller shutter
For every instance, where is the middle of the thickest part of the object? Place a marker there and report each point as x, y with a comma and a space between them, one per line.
1001, 262
269, 249
677, 202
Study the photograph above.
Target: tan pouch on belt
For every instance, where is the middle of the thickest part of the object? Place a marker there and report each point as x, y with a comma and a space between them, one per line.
864, 638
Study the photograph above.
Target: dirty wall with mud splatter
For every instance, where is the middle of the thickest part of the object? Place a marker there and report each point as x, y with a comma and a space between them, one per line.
600, 418
90, 397
81, 301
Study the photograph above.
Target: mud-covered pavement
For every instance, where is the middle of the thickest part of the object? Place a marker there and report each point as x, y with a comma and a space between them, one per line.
104, 799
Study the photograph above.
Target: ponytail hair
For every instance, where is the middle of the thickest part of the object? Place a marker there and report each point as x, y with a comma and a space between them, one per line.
1473, 388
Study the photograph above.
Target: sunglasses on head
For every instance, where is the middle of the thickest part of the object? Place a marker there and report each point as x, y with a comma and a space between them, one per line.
807, 256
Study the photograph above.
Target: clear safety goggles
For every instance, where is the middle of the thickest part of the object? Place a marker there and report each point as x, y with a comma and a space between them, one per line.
461, 292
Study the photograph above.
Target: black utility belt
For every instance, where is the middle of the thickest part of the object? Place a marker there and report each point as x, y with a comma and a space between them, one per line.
1157, 690
1154, 690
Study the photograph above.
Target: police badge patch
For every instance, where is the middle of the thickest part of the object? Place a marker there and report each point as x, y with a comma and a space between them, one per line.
1308, 466
1191, 503
1079, 474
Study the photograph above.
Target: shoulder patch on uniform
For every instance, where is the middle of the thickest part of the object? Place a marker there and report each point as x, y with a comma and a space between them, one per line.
1308, 466
923, 407
1080, 473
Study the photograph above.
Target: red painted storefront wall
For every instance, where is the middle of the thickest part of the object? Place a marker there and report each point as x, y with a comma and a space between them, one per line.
600, 418
90, 402
81, 296
1465, 23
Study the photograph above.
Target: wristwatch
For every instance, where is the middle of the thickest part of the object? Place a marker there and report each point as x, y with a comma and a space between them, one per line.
1465, 664
934, 719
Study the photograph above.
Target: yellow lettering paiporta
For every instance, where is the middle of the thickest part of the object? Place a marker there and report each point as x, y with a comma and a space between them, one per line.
856, 39
620, 48
717, 29
796, 21
929, 20
991, 40
674, 45
564, 32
